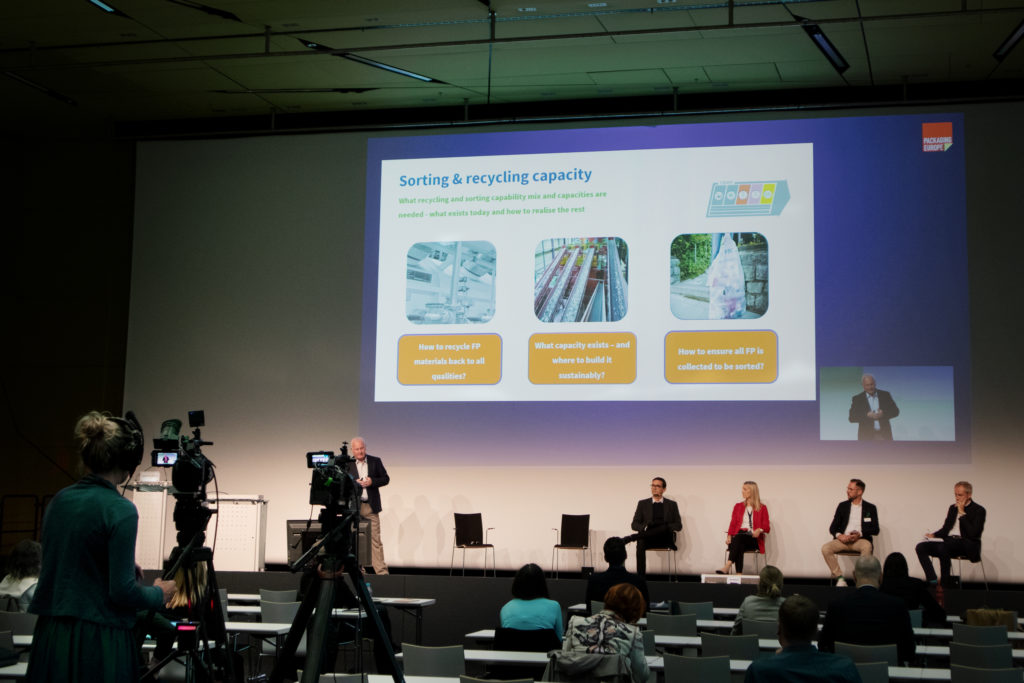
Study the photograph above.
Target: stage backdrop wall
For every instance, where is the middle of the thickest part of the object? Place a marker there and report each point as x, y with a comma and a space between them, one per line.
246, 302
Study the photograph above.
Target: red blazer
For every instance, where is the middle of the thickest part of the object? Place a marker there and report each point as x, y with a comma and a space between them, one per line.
739, 521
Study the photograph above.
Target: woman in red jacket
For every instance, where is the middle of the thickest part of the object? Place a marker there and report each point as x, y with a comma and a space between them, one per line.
747, 528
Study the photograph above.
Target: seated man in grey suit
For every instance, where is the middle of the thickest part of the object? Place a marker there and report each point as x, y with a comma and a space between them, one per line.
615, 556
655, 520
867, 616
799, 660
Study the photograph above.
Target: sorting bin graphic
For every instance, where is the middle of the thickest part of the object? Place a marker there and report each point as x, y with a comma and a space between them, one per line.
754, 198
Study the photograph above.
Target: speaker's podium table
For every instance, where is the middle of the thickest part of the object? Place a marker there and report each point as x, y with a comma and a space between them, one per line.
241, 523
737, 579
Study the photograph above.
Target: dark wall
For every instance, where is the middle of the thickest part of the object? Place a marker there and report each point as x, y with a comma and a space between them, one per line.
67, 217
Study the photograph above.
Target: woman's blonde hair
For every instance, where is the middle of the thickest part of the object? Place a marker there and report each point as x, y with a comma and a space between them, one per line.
755, 495
98, 437
769, 582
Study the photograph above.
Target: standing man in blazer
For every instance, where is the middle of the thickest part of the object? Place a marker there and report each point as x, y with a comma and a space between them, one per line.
654, 521
960, 534
871, 411
370, 475
852, 528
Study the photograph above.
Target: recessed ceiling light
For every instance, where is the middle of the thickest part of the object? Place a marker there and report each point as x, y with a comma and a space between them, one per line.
667, 2
527, 9
595, 5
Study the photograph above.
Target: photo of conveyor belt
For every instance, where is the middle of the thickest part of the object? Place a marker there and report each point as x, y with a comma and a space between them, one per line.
581, 279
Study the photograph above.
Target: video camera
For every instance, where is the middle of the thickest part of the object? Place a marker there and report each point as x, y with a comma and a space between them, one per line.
191, 470
331, 485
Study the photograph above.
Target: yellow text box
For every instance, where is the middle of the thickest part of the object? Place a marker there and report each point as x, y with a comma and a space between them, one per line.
449, 359
583, 358
741, 357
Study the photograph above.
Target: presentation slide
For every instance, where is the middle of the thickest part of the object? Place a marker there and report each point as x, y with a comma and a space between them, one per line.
619, 275
756, 273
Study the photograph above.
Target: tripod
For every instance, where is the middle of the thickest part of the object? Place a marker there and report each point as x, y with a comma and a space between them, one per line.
206, 623
337, 543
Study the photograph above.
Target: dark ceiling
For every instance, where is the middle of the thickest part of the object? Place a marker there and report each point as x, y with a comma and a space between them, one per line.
179, 66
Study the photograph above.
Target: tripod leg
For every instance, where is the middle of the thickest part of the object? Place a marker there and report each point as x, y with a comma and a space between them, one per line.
352, 567
291, 642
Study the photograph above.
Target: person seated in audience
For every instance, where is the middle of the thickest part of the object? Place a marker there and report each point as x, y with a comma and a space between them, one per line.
914, 593
598, 584
798, 660
19, 585
530, 608
747, 527
765, 605
613, 630
867, 616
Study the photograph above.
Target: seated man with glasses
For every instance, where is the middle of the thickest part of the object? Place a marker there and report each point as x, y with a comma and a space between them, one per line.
655, 520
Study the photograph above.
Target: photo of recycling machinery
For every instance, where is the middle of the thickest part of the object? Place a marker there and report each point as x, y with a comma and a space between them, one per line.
582, 279
450, 282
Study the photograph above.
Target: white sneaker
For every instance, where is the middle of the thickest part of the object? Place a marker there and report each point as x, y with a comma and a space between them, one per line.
841, 582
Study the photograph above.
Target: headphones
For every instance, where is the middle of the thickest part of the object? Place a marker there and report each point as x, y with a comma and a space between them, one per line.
130, 443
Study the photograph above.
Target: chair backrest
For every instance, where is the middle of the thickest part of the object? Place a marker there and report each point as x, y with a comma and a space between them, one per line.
873, 672
981, 656
7, 640
18, 623
916, 617
672, 624
733, 647
279, 596
868, 653
703, 610
519, 640
970, 674
979, 635
681, 669
596, 606
222, 594
575, 531
418, 660
278, 612
650, 648
469, 529
762, 628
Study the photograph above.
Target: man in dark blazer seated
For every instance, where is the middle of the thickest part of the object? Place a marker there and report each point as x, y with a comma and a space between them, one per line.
866, 616
798, 660
852, 528
370, 475
655, 520
615, 556
871, 411
960, 534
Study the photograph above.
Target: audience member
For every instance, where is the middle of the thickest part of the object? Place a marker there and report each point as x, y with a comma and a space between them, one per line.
914, 593
798, 660
89, 588
867, 616
19, 585
615, 556
613, 630
530, 608
765, 605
